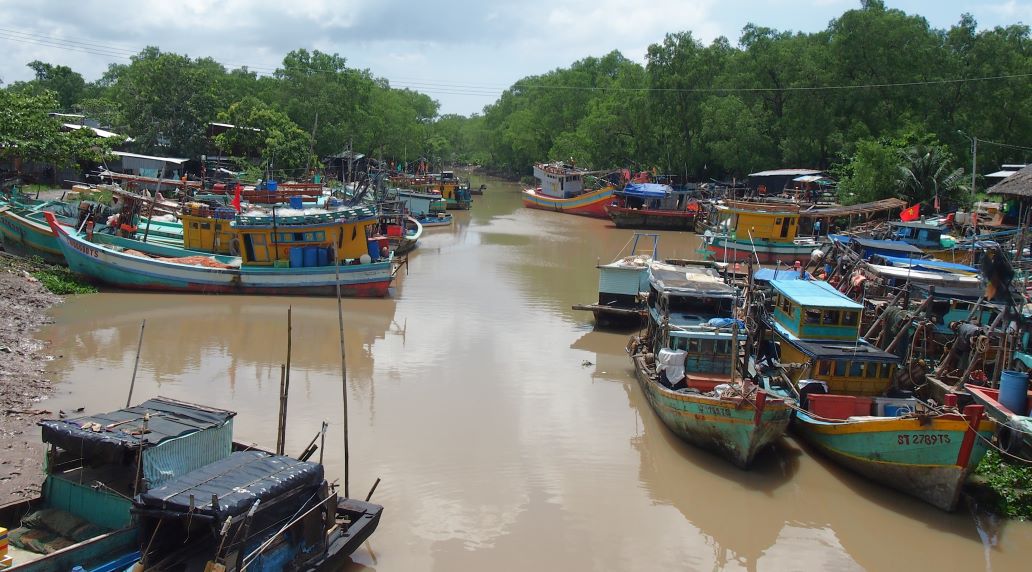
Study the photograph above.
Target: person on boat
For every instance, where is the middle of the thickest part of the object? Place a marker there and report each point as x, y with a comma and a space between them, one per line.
817, 228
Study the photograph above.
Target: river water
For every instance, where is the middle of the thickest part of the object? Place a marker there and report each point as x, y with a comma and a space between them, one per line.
508, 434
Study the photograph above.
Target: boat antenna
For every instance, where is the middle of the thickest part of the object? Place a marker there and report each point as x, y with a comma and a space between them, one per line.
343, 366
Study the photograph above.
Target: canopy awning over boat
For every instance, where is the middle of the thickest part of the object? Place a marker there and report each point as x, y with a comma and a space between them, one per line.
814, 294
922, 276
700, 281
844, 351
768, 274
646, 190
851, 210
930, 264
238, 481
111, 435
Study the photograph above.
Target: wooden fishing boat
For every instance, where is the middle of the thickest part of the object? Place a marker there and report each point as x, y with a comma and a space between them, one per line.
276, 256
686, 367
846, 406
620, 285
402, 232
251, 510
455, 192
432, 220
655, 206
763, 232
95, 465
562, 190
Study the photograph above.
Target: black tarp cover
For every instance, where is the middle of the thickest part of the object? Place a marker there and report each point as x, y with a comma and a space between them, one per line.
238, 480
108, 437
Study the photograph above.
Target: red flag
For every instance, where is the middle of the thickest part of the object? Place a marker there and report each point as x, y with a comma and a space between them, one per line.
236, 197
912, 213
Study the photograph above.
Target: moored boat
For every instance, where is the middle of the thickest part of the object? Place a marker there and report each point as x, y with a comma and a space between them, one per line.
620, 286
764, 232
275, 256
654, 206
562, 190
848, 409
686, 365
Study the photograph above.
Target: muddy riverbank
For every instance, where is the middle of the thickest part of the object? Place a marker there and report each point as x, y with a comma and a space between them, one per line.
24, 384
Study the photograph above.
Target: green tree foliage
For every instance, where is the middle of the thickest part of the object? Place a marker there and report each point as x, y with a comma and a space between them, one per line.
67, 85
871, 172
267, 133
28, 132
927, 171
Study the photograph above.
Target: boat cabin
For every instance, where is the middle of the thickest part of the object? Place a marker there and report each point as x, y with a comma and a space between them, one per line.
655, 196
812, 309
271, 240
819, 325
919, 234
761, 222
559, 180
95, 465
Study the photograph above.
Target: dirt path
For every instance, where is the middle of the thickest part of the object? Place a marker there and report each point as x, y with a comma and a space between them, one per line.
23, 384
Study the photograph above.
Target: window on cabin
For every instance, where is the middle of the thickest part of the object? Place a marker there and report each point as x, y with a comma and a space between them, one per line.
840, 369
831, 317
886, 370
299, 237
706, 347
777, 221
193, 225
693, 346
823, 367
786, 306
856, 369
205, 226
812, 316
872, 371
849, 318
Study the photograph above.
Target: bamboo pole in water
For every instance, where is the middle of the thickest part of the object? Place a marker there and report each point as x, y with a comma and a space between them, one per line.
132, 382
344, 378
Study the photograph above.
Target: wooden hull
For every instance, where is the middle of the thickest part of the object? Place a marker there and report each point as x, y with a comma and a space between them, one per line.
614, 315
930, 461
739, 251
30, 235
458, 204
737, 429
591, 204
624, 217
110, 266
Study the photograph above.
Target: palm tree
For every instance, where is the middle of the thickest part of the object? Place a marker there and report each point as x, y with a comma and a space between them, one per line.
926, 171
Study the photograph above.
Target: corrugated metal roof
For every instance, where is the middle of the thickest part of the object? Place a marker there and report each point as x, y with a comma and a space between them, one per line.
785, 172
814, 293
150, 158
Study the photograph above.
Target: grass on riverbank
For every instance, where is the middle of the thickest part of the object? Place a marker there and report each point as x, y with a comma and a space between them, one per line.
58, 279
1008, 486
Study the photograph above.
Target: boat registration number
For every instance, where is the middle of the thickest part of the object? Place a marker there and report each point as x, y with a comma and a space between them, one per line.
711, 410
922, 439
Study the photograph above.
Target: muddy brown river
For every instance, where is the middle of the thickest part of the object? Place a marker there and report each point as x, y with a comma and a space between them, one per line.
508, 434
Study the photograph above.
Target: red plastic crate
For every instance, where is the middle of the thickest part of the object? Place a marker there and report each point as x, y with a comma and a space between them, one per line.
833, 406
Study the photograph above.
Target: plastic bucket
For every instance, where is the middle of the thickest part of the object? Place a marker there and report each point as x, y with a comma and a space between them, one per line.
297, 257
1014, 390
311, 255
322, 256
296, 203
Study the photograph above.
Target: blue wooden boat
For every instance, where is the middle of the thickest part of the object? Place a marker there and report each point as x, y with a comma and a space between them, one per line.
432, 220
96, 464
846, 407
264, 245
686, 366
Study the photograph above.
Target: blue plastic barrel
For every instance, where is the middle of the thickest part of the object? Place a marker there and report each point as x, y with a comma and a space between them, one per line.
322, 256
1014, 390
374, 249
311, 255
270, 185
295, 203
297, 257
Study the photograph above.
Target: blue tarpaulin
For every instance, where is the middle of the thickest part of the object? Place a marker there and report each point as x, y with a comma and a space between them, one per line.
768, 274
930, 264
646, 190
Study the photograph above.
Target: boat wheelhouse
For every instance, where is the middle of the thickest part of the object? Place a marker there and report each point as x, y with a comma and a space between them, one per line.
764, 232
621, 285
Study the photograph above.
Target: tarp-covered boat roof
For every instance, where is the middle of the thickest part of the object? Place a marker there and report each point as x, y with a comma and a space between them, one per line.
887, 245
768, 274
646, 190
111, 435
700, 281
844, 351
930, 264
237, 480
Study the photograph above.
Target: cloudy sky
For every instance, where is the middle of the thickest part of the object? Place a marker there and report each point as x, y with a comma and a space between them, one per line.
461, 53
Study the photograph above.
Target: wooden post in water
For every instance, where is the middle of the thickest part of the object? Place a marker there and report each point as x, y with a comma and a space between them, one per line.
281, 419
136, 364
344, 378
